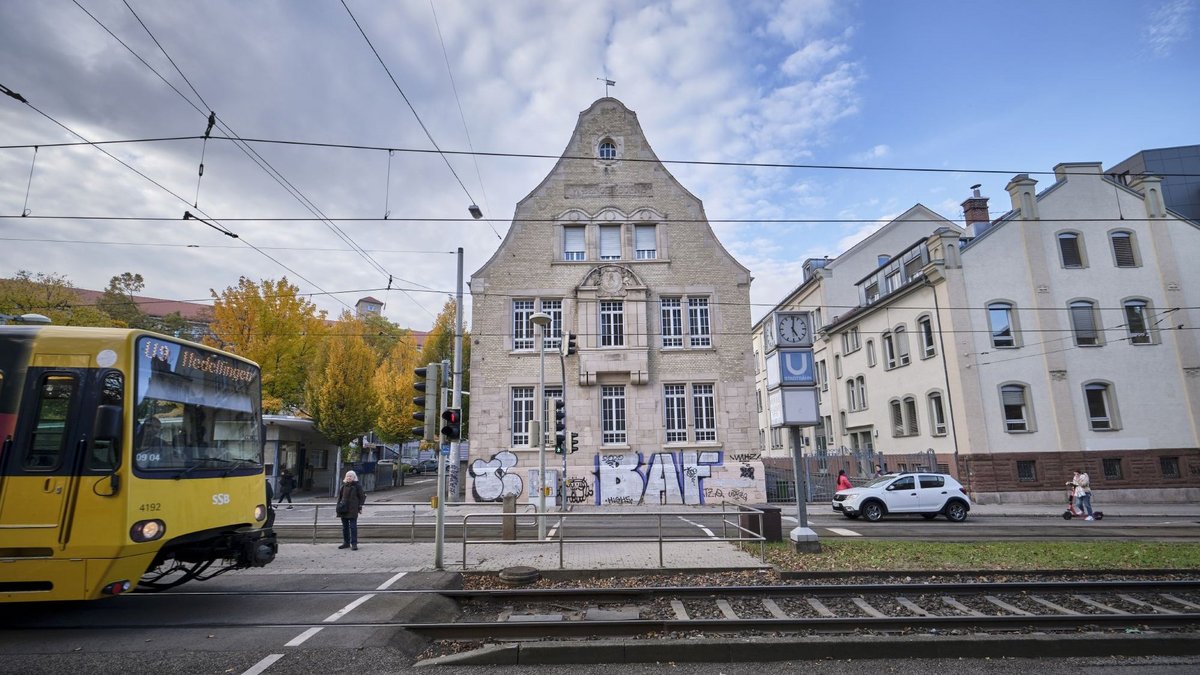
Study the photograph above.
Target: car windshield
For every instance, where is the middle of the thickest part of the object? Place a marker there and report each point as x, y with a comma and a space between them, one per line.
881, 480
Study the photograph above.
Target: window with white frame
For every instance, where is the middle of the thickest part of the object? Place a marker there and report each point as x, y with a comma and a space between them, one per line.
851, 395
889, 351
1100, 406
553, 335
610, 242
901, 336
699, 322
704, 412
645, 242
607, 150
522, 326
1137, 322
612, 415
612, 323
837, 366
851, 341
675, 406
1070, 250
823, 374
1084, 323
522, 414
870, 353
672, 322
758, 397
1124, 248
1000, 321
1015, 406
911, 426
574, 242
897, 418
861, 382
925, 329
937, 415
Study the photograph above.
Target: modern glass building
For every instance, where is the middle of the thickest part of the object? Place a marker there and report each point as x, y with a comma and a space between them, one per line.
1180, 171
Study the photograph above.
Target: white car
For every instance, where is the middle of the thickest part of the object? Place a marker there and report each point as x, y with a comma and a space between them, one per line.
929, 494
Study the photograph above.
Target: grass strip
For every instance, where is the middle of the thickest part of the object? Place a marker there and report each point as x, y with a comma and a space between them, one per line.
1014, 556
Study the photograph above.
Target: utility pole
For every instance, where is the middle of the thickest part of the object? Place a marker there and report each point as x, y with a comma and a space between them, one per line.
456, 403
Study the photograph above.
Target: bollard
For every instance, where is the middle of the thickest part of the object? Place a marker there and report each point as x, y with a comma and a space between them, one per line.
509, 522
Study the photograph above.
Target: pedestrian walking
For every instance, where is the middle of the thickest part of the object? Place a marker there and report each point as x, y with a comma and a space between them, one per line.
287, 483
843, 482
351, 498
878, 470
1083, 493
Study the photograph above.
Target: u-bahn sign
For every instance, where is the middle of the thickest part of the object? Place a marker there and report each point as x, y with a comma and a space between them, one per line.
790, 368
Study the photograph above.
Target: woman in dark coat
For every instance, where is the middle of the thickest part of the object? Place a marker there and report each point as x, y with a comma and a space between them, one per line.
351, 498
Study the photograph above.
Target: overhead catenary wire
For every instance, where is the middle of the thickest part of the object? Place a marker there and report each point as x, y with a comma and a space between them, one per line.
588, 158
404, 96
249, 151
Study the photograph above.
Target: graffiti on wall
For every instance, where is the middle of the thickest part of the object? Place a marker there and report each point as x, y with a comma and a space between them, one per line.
626, 478
664, 478
493, 479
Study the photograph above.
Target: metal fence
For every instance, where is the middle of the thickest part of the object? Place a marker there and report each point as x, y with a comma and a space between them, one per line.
820, 471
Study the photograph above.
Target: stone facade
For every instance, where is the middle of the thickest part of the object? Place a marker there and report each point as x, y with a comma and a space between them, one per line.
614, 249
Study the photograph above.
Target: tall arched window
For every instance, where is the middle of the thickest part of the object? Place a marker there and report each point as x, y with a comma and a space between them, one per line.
1001, 322
1085, 323
1070, 250
1124, 248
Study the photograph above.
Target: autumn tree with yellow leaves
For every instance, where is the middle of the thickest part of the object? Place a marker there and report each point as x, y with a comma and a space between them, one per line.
340, 393
272, 325
393, 386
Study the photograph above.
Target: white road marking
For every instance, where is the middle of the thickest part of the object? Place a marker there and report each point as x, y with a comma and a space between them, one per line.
703, 529
348, 608
391, 581
553, 529
843, 532
263, 665
299, 639
790, 519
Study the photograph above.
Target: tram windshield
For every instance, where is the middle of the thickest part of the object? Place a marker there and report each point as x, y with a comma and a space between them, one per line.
196, 412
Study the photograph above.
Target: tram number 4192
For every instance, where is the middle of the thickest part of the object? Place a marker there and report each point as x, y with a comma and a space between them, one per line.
220, 499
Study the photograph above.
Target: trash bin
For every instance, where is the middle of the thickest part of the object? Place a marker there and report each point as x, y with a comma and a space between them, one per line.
772, 526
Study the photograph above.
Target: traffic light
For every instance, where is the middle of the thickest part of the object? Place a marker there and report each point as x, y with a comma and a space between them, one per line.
568, 344
452, 429
426, 404
560, 426
574, 442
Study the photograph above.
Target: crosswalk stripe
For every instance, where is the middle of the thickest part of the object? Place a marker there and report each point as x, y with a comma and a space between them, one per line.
843, 532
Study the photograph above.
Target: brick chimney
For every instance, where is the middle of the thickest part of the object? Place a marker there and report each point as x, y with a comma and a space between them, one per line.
975, 210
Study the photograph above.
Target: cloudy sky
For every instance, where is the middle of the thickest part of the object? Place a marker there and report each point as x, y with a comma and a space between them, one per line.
986, 86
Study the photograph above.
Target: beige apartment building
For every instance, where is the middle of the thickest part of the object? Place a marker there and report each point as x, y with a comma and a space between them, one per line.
1057, 337
661, 392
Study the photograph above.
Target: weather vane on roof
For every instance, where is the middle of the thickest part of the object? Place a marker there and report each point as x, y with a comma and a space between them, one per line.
607, 83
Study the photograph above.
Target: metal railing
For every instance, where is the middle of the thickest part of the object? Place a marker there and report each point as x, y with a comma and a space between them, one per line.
560, 536
412, 522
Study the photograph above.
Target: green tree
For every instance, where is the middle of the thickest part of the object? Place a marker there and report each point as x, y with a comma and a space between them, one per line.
340, 397
118, 301
270, 324
393, 388
382, 335
51, 295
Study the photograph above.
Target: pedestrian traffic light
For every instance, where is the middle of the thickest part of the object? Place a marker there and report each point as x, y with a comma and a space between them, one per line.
425, 405
452, 427
574, 442
560, 426
568, 344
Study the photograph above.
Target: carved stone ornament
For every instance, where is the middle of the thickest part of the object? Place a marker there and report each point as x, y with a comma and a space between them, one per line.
611, 281
1058, 375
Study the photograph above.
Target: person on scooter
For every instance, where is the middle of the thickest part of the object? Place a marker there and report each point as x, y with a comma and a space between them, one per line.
1083, 493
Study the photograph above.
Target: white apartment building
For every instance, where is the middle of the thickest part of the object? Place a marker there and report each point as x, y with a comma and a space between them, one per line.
661, 392
1061, 336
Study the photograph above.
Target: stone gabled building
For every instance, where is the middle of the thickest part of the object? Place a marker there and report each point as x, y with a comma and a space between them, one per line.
661, 391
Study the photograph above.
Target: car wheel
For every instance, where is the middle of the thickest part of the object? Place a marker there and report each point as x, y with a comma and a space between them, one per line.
929, 516
872, 511
956, 511
851, 516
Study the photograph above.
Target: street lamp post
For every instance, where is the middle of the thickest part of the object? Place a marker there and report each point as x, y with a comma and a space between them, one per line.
542, 321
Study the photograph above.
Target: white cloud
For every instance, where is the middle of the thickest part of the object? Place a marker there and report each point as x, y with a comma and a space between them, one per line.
1168, 25
876, 152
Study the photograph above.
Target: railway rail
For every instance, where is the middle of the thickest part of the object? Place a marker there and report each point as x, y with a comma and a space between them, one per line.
518, 614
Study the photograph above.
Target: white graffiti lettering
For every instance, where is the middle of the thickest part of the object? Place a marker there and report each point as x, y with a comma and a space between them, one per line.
492, 480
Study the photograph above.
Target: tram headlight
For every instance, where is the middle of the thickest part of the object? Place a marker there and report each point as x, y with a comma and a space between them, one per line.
147, 530
260, 512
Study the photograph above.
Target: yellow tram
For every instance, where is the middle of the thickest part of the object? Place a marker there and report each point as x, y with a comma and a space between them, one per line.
127, 459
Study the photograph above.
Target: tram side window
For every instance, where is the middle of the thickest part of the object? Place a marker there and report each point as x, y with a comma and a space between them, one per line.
50, 433
105, 453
